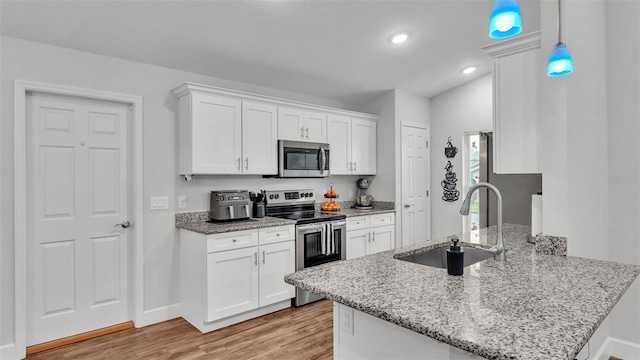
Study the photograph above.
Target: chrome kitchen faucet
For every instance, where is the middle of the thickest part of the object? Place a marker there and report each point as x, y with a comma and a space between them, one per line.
498, 250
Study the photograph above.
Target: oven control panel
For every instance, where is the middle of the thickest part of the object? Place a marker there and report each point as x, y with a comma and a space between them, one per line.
283, 197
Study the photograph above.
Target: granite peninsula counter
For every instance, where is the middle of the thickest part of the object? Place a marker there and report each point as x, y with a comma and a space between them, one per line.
534, 306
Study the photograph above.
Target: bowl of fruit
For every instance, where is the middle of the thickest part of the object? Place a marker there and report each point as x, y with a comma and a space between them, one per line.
331, 194
330, 206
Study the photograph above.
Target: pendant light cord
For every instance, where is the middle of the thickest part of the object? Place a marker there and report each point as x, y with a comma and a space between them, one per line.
559, 23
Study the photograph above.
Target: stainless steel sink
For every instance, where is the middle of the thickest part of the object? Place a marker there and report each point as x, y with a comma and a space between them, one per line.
437, 257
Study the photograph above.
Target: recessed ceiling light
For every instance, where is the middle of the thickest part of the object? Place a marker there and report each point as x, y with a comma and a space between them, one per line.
399, 38
469, 70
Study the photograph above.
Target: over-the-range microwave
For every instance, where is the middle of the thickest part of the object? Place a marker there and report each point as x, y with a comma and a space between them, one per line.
299, 159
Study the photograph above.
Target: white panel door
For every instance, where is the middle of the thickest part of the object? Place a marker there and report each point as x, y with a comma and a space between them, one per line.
339, 138
276, 261
77, 171
290, 124
315, 127
363, 146
216, 135
232, 282
259, 138
415, 184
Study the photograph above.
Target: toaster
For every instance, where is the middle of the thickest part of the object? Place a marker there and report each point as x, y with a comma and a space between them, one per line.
230, 205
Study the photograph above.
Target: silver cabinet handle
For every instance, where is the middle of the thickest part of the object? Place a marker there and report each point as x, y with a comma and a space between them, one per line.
350, 166
307, 133
263, 256
369, 237
125, 224
238, 163
302, 132
255, 258
247, 163
355, 166
373, 236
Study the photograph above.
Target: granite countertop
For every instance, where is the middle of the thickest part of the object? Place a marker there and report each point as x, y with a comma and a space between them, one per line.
534, 306
197, 222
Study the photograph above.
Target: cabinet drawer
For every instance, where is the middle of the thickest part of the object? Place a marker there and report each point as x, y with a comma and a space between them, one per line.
232, 240
357, 223
382, 219
277, 234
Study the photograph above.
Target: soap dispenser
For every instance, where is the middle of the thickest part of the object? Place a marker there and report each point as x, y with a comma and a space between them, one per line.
455, 258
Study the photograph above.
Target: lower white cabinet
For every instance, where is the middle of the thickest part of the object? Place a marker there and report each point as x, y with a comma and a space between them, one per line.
232, 282
231, 277
370, 234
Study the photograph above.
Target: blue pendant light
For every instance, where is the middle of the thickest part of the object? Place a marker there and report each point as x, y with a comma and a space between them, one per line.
506, 19
560, 61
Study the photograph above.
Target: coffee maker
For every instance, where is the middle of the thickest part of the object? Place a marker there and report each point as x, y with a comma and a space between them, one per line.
363, 201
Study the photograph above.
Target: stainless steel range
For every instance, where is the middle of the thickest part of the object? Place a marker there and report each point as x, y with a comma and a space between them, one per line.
320, 236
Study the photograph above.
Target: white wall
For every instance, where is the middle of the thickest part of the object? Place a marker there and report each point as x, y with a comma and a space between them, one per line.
394, 107
623, 90
43, 63
463, 109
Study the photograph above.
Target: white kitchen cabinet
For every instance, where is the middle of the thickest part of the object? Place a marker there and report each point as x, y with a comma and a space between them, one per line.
353, 145
276, 260
210, 134
225, 135
370, 234
232, 282
231, 277
302, 125
516, 68
259, 138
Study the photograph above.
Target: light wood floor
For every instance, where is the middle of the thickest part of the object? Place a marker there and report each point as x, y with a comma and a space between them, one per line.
294, 333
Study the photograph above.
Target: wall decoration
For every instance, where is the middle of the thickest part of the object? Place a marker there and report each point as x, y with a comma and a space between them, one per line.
450, 193
450, 151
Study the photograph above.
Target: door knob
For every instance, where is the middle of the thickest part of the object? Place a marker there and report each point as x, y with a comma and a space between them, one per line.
125, 224
408, 205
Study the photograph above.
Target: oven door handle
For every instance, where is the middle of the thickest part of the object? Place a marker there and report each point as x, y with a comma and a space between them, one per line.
305, 229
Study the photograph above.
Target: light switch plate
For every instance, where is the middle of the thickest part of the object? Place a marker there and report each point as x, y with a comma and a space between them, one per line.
182, 202
159, 203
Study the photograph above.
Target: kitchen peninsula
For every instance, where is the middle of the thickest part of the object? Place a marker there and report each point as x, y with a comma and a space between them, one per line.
534, 306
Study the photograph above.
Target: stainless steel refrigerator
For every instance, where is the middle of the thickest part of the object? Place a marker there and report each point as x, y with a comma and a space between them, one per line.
516, 190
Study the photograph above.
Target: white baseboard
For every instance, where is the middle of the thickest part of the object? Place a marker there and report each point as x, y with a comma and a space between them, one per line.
160, 314
619, 348
8, 352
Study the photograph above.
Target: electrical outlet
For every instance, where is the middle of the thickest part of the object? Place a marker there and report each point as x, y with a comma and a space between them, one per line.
159, 203
346, 319
182, 202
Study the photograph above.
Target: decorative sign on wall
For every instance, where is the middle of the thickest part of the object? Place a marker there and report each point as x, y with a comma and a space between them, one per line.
450, 151
450, 193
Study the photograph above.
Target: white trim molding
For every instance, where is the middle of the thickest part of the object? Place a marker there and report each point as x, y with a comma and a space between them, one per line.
158, 315
21, 89
619, 348
8, 351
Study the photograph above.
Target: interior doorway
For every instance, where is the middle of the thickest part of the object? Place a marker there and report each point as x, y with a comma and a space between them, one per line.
21, 203
415, 206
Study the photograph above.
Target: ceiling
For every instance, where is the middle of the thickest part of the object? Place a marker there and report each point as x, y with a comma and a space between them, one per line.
338, 50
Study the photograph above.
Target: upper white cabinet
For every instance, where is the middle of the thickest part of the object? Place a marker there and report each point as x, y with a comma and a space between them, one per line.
210, 132
228, 132
259, 138
516, 66
353, 145
302, 125
224, 135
